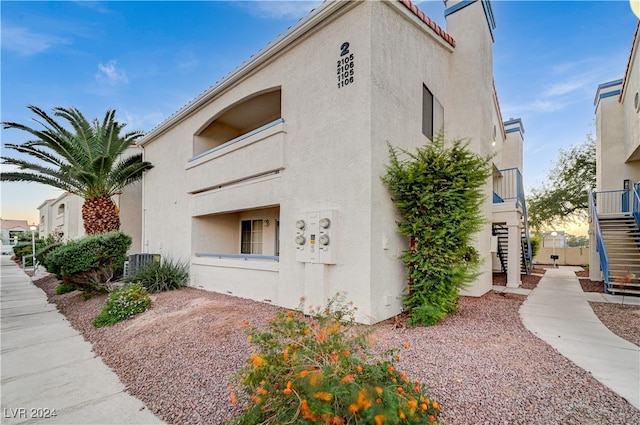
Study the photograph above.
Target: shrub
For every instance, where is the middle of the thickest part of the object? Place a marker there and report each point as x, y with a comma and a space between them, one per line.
157, 276
41, 253
123, 304
439, 193
63, 288
91, 262
322, 371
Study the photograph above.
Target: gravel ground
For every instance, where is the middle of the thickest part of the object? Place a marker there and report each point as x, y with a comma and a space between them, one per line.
482, 365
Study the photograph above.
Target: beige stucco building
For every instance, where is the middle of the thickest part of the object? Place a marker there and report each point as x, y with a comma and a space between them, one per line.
270, 181
615, 209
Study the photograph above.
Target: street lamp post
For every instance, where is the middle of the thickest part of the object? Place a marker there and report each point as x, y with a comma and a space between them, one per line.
33, 244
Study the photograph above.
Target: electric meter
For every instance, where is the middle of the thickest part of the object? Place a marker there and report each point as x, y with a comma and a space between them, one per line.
300, 224
324, 223
323, 239
300, 240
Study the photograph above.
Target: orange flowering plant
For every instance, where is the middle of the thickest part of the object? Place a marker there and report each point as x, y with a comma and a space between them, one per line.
320, 369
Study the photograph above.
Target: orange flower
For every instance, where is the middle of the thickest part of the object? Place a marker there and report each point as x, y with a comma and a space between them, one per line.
379, 390
401, 414
291, 313
436, 405
403, 376
323, 395
334, 357
256, 360
359, 368
362, 401
249, 338
379, 419
304, 373
398, 357
286, 354
262, 391
307, 331
233, 398
405, 345
431, 418
313, 380
321, 336
423, 406
353, 408
347, 378
391, 369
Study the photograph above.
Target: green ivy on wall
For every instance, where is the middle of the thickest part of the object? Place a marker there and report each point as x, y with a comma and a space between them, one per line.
438, 191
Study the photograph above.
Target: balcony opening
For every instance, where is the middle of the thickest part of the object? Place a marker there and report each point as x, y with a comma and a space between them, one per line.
250, 234
241, 118
61, 210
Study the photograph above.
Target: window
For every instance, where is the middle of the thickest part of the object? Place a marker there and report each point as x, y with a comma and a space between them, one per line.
427, 112
251, 238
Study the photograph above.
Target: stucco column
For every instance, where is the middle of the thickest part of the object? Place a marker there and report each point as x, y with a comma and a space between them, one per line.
515, 253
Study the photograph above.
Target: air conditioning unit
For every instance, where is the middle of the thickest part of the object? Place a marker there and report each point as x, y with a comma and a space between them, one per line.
139, 260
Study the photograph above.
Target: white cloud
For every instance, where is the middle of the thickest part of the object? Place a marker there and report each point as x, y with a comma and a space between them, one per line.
109, 74
279, 9
25, 42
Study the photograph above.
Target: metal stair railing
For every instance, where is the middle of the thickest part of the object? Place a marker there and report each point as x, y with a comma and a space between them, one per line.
602, 251
510, 186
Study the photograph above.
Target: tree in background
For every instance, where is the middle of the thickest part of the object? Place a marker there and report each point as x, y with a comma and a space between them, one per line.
564, 196
87, 161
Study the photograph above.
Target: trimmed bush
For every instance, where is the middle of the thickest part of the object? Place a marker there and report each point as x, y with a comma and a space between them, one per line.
439, 193
123, 304
90, 263
163, 275
322, 371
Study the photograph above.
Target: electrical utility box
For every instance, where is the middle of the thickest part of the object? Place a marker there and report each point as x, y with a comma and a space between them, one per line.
315, 233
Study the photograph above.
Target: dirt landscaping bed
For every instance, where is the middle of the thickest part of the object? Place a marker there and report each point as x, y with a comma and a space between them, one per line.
482, 365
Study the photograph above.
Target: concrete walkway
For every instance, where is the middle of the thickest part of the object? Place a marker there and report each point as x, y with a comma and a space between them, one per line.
558, 312
48, 368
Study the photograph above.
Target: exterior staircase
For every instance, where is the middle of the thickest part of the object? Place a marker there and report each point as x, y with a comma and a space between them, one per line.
502, 233
621, 237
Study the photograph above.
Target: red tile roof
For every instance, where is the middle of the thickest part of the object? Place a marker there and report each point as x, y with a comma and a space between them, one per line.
12, 224
626, 72
424, 18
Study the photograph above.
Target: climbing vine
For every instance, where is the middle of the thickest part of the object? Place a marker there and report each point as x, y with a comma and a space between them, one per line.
438, 191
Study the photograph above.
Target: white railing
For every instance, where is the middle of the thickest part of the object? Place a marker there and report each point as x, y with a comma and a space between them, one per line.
612, 202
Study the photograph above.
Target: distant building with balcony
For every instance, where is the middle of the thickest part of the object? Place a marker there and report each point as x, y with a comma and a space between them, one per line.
270, 181
11, 229
615, 205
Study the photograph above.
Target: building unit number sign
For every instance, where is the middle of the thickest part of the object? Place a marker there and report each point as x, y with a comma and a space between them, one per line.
346, 66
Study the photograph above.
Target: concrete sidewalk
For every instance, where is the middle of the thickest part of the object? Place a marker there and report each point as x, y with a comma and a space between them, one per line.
558, 312
49, 369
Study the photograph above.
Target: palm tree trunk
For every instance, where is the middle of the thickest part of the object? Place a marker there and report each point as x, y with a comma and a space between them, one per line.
100, 215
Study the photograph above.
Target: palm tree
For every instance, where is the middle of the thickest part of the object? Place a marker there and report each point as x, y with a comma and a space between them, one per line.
87, 161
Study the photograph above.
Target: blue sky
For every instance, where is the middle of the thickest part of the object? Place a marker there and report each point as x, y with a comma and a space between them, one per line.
147, 59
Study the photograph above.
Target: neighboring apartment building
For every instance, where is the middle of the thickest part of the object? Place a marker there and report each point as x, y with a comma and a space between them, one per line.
270, 181
615, 207
10, 230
